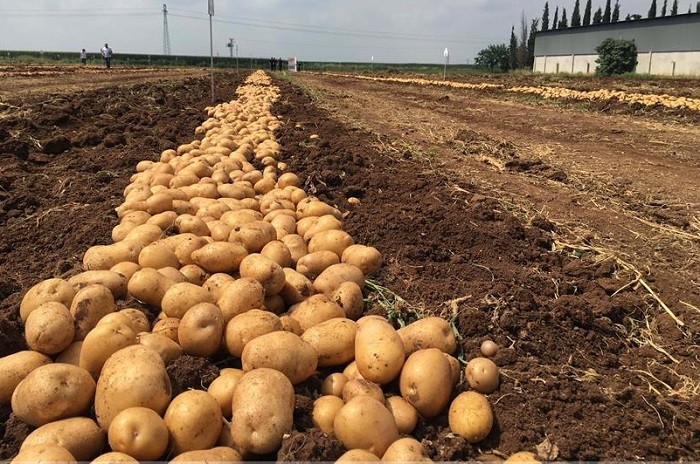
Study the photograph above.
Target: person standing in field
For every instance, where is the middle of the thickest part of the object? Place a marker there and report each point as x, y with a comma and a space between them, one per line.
107, 55
83, 57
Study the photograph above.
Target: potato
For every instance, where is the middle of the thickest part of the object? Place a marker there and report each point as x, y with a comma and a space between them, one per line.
425, 381
379, 351
240, 296
115, 279
167, 327
333, 340
137, 319
283, 351
149, 286
523, 456
57, 290
80, 436
265, 271
277, 251
334, 276
313, 264
263, 405
367, 259
325, 409
254, 235
405, 415
220, 256
217, 283
194, 274
194, 421
113, 457
333, 384
332, 240
429, 332
173, 274
101, 343
140, 433
322, 224
133, 376
164, 220
489, 348
358, 455
222, 389
44, 454
364, 423
314, 310
182, 296
274, 304
245, 327
52, 392
351, 371
349, 297
470, 416
201, 329
218, 454
188, 245
90, 304
406, 450
14, 368
314, 207
288, 179
455, 369
362, 387
49, 328
290, 325
296, 287
71, 355
297, 246
482, 375
104, 257
189, 224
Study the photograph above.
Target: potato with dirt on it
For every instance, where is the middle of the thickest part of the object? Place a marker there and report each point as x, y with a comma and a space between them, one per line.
104, 257
52, 392
365, 423
482, 375
314, 207
324, 411
332, 240
216, 284
297, 246
70, 355
470, 416
254, 235
264, 270
115, 279
101, 343
137, 319
113, 457
241, 296
362, 387
358, 455
222, 389
218, 454
14, 368
149, 286
523, 457
140, 433
166, 348
282, 351
79, 435
194, 274
311, 265
426, 381
44, 454
57, 290
49, 329
315, 310
263, 405
245, 327
405, 415
333, 340
367, 259
180, 297
429, 332
201, 329
379, 351
406, 450
349, 297
167, 327
193, 419
277, 251
158, 256
90, 304
334, 276
333, 384
220, 256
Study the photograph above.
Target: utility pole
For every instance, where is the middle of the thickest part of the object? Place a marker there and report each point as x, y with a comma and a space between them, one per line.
166, 31
230, 44
446, 53
211, 47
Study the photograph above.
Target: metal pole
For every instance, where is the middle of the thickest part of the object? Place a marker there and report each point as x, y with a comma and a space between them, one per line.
211, 47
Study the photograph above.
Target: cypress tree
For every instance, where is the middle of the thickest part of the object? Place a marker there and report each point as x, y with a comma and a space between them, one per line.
606, 15
564, 23
674, 8
616, 12
555, 23
587, 14
664, 7
545, 17
576, 15
598, 16
652, 10
531, 42
513, 50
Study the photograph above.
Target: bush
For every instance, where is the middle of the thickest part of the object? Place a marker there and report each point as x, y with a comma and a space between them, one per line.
616, 56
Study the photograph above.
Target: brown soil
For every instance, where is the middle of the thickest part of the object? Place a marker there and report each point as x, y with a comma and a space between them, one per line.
457, 236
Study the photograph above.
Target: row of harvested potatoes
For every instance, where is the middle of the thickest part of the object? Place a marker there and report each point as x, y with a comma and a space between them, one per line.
242, 265
648, 100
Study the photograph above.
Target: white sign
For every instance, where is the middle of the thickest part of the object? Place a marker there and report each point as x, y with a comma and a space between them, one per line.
446, 53
211, 7
372, 57
292, 63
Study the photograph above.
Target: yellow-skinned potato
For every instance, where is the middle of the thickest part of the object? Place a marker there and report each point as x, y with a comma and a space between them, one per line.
133, 376
334, 276
90, 304
351, 371
104, 257
142, 235
57, 290
220, 256
455, 368
263, 405
49, 329
193, 419
358, 455
70, 355
173, 274
164, 346
149, 286
167, 327
52, 392
137, 319
297, 246
482, 375
314, 310
296, 288
334, 383
290, 325
284, 225
524, 457
164, 220
218, 454
79, 435
379, 351
158, 256
406, 450
194, 274
426, 381
288, 179
115, 279
14, 368
405, 415
319, 225
283, 351
362, 387
274, 304
313, 264
332, 240
325, 409
184, 248
349, 297
190, 224
253, 235
429, 332
333, 340
222, 389
140, 433
470, 416
367, 259
44, 454
265, 271
277, 251
310, 207
364, 423
112, 457
201, 329
217, 283
240, 296
245, 327
182, 296
101, 343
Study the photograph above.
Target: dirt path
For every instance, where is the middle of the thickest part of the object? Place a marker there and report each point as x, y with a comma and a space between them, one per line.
625, 184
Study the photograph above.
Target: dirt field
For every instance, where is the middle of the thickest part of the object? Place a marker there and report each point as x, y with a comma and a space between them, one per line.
535, 224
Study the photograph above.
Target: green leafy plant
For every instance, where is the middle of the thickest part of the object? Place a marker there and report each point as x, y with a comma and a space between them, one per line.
616, 56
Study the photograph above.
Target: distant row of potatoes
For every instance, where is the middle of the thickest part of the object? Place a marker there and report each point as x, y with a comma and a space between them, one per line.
242, 265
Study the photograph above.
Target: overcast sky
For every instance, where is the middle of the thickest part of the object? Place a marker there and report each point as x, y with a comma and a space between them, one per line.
328, 30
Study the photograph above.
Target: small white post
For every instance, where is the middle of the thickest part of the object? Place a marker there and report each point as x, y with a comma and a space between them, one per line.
651, 54
573, 58
447, 60
211, 47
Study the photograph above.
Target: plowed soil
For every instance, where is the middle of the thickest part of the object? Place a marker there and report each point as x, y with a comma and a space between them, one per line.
476, 221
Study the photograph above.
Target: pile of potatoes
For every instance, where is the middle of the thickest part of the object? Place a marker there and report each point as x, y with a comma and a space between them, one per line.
242, 265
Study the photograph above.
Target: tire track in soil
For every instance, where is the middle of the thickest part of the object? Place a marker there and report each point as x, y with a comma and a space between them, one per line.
568, 364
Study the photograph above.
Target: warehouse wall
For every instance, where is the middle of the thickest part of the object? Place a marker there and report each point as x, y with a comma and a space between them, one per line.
662, 63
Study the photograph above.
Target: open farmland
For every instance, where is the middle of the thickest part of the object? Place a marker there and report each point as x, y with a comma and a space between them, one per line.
566, 234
